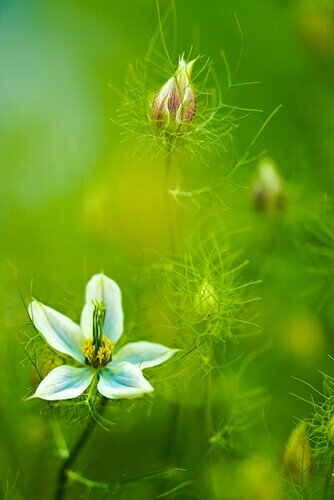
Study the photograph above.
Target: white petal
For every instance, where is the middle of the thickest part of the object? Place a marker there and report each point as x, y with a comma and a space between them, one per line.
64, 382
144, 354
106, 291
59, 331
123, 381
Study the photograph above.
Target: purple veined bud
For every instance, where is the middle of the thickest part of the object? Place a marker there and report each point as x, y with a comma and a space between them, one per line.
174, 105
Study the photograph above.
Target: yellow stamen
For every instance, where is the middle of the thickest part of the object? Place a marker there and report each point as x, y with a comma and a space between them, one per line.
98, 356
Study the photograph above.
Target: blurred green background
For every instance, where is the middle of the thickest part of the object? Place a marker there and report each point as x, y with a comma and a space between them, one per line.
76, 199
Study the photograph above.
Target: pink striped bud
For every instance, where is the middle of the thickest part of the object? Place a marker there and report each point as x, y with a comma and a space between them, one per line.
174, 105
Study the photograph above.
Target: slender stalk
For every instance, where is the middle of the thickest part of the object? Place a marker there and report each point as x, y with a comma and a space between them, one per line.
61, 485
168, 168
207, 398
116, 485
328, 478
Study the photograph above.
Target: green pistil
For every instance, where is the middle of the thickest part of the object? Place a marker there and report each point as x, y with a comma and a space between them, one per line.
99, 315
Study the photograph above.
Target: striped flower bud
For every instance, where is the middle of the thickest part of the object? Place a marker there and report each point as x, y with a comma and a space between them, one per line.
174, 105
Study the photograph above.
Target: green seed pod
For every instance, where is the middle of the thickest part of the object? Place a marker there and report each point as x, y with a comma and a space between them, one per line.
206, 303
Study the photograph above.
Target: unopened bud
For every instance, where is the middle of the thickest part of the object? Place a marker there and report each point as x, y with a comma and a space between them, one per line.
174, 105
268, 189
297, 456
206, 302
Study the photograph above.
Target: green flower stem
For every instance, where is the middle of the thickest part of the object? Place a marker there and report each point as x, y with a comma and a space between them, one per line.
115, 486
207, 395
59, 439
74, 453
168, 168
328, 478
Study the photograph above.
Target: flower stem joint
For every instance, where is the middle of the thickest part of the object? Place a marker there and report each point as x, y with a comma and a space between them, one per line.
174, 105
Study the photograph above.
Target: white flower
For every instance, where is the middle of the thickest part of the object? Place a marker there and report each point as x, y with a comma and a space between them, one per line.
91, 345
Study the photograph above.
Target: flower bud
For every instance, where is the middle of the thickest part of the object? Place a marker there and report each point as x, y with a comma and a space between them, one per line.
330, 431
268, 189
297, 456
174, 105
206, 302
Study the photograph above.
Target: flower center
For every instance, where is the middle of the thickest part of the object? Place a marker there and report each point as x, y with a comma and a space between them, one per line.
97, 356
98, 350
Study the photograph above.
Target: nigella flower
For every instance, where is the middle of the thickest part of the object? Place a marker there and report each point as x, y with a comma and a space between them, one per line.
91, 345
174, 105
